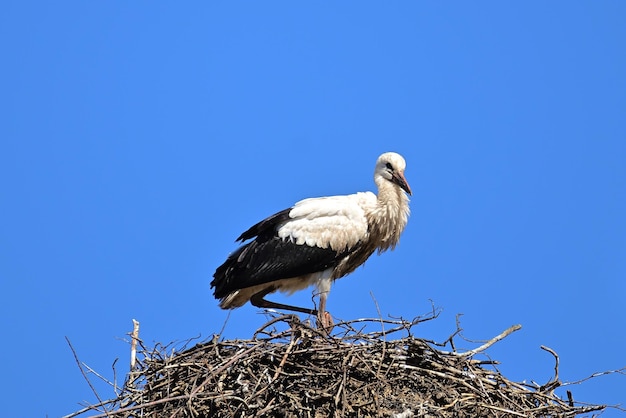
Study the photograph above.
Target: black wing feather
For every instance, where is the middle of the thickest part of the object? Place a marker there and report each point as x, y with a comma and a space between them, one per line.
268, 258
267, 226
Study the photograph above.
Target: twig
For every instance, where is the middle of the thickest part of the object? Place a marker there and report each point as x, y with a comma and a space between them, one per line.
115, 376
145, 405
458, 331
85, 375
380, 316
382, 328
282, 318
280, 366
284, 359
224, 324
553, 384
507, 411
491, 342
90, 408
596, 374
98, 375
133, 344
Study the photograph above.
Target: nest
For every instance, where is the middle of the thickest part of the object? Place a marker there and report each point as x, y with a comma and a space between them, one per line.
289, 368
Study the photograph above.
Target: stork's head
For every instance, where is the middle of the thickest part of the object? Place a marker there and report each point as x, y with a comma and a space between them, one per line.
390, 167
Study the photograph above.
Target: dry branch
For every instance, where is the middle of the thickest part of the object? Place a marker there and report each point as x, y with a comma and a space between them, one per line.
133, 344
291, 369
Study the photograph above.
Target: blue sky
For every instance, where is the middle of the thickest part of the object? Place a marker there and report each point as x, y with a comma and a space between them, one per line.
140, 139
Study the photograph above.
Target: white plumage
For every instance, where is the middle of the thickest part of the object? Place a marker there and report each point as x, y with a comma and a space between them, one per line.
338, 222
315, 242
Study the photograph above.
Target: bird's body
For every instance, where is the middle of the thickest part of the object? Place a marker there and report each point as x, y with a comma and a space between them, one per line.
315, 242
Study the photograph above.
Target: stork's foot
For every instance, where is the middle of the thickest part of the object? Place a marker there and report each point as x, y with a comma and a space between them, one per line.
324, 322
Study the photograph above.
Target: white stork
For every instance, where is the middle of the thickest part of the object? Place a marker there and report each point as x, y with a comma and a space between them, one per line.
315, 242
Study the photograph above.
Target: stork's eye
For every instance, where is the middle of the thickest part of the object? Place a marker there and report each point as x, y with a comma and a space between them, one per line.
389, 166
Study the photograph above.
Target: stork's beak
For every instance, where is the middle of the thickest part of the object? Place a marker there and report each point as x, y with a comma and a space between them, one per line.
398, 178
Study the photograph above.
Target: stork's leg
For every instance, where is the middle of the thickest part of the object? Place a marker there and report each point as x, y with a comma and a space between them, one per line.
258, 300
324, 320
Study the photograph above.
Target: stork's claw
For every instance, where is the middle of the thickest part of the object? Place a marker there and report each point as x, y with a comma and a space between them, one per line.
325, 322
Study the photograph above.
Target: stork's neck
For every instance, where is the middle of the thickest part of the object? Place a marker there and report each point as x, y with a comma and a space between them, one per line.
388, 219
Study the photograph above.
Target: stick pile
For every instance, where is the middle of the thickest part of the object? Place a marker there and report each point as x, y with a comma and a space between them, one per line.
291, 369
